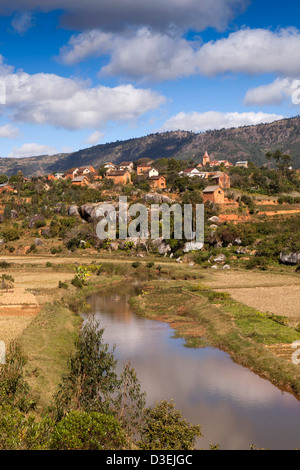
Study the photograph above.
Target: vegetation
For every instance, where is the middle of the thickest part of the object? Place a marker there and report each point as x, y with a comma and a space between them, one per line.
94, 408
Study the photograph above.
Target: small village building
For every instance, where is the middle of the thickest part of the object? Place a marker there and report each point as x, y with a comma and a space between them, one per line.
58, 175
214, 194
151, 172
141, 169
157, 182
126, 166
242, 164
86, 170
190, 172
221, 179
110, 166
119, 176
71, 173
80, 181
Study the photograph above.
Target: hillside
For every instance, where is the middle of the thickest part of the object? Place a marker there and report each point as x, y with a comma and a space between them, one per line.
243, 143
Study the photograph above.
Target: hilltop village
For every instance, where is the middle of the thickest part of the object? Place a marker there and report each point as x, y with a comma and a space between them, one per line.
124, 173
57, 212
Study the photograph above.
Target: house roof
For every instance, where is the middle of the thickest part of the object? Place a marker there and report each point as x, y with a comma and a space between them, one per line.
79, 179
155, 178
126, 163
117, 173
189, 170
211, 189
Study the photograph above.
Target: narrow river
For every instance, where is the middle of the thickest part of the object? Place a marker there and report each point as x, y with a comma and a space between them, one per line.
235, 407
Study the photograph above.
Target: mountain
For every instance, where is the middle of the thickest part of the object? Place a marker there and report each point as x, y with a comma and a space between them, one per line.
242, 143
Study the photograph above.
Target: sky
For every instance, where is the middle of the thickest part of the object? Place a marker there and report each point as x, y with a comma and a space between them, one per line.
75, 74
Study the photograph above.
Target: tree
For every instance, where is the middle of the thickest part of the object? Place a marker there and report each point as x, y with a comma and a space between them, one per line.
164, 429
92, 384
3, 179
79, 430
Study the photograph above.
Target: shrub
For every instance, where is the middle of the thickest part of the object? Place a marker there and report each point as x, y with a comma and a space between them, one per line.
7, 281
136, 264
10, 234
62, 285
164, 429
4, 265
80, 430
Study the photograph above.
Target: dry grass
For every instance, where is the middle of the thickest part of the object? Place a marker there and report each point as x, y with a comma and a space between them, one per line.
267, 292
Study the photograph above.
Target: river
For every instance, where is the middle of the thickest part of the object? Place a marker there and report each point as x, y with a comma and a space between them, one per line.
235, 407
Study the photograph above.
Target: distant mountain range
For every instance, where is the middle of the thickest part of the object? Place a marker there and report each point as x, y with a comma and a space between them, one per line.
243, 143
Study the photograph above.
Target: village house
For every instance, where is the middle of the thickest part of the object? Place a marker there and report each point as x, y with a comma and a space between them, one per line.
80, 181
141, 169
225, 163
119, 176
126, 166
221, 179
71, 173
242, 164
190, 172
109, 166
151, 172
157, 182
214, 194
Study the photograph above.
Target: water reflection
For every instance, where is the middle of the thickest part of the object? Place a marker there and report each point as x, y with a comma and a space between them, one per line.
235, 407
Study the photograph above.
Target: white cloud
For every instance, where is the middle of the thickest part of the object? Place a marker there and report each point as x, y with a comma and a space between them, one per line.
142, 54
63, 102
148, 55
9, 132
116, 14
31, 150
253, 51
273, 93
201, 122
22, 22
94, 138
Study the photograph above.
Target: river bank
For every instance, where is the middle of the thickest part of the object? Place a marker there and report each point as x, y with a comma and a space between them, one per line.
204, 317
180, 295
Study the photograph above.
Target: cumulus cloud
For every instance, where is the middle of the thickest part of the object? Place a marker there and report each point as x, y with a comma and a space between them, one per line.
63, 102
150, 55
94, 138
253, 51
117, 14
9, 132
31, 150
139, 55
273, 93
201, 122
22, 22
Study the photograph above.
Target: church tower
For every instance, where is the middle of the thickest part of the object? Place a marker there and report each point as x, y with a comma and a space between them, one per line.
206, 159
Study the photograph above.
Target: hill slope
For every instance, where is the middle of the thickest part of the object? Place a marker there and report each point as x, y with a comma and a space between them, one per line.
243, 143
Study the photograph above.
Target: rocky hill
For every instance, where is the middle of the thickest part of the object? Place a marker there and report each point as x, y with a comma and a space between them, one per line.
243, 143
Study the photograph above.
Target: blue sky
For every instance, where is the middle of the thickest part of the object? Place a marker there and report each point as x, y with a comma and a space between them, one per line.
77, 74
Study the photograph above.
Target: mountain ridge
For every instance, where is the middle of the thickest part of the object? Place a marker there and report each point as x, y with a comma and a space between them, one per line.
241, 143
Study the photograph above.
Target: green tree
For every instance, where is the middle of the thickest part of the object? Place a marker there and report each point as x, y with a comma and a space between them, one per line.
79, 430
92, 384
164, 429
